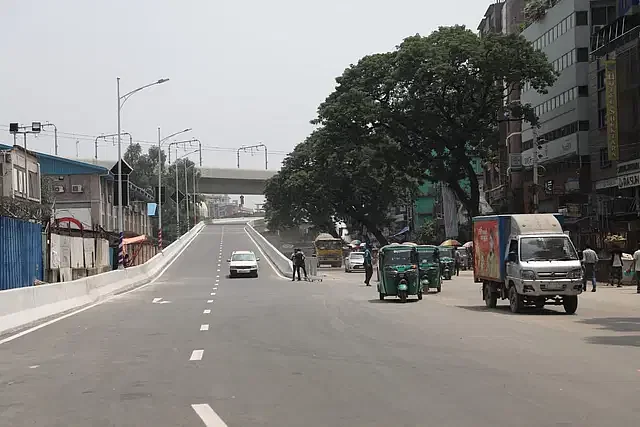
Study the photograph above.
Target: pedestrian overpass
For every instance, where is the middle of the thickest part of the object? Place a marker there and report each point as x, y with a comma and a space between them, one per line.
247, 182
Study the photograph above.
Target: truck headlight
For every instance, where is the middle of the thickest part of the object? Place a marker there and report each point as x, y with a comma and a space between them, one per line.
575, 274
528, 275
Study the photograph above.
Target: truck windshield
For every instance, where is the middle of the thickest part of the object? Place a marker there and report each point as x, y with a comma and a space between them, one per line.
328, 245
547, 249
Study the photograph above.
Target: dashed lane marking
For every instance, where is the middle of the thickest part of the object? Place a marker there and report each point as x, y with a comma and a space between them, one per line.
208, 416
196, 355
204, 327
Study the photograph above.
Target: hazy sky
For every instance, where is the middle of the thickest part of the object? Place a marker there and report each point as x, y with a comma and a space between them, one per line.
242, 72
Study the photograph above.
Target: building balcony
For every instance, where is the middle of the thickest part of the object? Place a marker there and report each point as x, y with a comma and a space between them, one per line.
620, 32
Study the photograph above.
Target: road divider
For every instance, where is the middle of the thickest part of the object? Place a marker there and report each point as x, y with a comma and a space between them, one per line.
23, 306
281, 263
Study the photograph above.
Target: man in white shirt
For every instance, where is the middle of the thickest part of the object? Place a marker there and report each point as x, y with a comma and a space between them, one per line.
636, 269
616, 266
590, 260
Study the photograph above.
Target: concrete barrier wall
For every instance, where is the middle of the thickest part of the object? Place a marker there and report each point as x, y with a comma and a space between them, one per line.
281, 262
22, 306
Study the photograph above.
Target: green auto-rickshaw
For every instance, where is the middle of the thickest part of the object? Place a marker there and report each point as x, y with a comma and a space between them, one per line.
429, 267
447, 261
398, 271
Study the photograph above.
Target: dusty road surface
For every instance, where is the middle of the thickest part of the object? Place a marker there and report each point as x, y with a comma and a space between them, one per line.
198, 349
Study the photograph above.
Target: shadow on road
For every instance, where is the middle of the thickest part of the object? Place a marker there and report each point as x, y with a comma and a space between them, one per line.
615, 324
391, 300
504, 309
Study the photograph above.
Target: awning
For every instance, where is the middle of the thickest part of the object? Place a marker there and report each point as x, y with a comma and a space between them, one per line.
132, 240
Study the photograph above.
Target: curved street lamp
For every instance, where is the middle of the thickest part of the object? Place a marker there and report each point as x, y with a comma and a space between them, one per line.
121, 100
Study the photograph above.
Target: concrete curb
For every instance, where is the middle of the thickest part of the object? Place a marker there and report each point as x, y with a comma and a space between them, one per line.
281, 262
23, 306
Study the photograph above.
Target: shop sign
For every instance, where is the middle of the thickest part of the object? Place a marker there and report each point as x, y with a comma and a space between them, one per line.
629, 181
611, 93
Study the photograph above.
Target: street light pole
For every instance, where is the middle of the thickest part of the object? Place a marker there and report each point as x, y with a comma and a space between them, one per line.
186, 190
177, 195
121, 100
120, 210
250, 147
55, 136
160, 141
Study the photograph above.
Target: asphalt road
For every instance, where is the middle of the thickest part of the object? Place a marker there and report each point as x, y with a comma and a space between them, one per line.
271, 352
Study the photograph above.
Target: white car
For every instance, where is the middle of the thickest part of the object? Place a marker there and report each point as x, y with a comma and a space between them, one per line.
355, 261
243, 263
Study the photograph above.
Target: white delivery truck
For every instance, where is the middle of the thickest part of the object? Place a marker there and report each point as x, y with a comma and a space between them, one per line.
527, 259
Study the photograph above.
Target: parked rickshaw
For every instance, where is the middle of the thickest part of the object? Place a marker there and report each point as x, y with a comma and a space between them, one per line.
398, 271
447, 261
429, 267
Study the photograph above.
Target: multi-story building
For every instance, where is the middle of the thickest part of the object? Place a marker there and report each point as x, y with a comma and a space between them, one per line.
14, 182
562, 147
503, 179
615, 131
82, 191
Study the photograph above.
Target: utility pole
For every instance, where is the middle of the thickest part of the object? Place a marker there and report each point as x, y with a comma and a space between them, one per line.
251, 147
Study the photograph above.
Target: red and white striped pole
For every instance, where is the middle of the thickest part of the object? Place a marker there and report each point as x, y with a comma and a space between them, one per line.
160, 239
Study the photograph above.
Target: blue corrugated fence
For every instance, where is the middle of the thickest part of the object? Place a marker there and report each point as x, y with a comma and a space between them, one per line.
20, 253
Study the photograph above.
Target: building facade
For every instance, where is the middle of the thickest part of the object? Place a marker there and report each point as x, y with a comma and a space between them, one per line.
561, 143
14, 182
615, 139
502, 179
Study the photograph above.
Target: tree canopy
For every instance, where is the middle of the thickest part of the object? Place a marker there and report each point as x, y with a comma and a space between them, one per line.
425, 111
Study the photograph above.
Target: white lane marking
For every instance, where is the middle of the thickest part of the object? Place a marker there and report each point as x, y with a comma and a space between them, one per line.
208, 416
156, 300
215, 288
112, 297
217, 276
34, 366
209, 301
216, 270
273, 267
213, 293
207, 311
196, 355
204, 327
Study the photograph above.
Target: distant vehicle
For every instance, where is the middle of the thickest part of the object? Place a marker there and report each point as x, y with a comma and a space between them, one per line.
328, 250
355, 261
243, 263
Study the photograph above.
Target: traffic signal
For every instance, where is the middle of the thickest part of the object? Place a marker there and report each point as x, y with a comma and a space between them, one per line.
241, 200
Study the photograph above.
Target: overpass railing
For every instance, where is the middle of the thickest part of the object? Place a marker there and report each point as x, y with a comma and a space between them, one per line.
281, 262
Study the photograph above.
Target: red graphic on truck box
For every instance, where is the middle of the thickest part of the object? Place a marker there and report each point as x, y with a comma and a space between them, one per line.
487, 249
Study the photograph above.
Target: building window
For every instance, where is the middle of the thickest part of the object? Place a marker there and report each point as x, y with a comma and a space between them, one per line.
582, 54
602, 118
583, 125
605, 163
602, 102
600, 79
582, 18
583, 90
34, 185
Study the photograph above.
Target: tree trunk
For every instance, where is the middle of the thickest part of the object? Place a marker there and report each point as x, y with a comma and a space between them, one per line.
471, 202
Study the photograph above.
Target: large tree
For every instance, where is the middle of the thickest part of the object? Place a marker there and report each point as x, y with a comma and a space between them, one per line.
334, 175
438, 100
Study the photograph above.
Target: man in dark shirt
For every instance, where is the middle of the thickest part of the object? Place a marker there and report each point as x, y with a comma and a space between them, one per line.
298, 259
368, 265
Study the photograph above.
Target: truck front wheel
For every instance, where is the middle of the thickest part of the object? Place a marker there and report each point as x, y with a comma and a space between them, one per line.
490, 297
515, 300
570, 303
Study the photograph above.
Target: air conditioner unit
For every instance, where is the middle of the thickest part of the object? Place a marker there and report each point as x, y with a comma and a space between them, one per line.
58, 188
76, 188
596, 28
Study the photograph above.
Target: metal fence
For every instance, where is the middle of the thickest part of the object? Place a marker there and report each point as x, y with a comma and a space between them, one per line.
20, 253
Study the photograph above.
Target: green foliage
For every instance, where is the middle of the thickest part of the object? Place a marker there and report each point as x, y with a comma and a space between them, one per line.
434, 104
145, 175
428, 233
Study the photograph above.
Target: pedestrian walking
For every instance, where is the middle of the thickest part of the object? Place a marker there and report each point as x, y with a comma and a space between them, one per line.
458, 261
298, 259
635, 267
616, 266
368, 265
589, 260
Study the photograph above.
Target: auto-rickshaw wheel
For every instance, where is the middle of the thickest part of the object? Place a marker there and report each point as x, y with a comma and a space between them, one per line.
419, 295
403, 296
439, 289
381, 295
